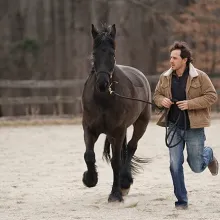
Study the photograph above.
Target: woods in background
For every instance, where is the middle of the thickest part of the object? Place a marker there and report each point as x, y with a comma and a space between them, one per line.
51, 40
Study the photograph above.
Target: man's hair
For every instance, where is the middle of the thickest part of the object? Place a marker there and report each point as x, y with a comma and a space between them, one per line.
185, 50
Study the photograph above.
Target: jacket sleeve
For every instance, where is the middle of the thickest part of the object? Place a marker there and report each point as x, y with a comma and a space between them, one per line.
158, 93
208, 97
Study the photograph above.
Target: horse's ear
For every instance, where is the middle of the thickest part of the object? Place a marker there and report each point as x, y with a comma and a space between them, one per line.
94, 32
113, 31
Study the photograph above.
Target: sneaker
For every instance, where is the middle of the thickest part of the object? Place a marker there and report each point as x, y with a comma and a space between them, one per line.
181, 205
213, 166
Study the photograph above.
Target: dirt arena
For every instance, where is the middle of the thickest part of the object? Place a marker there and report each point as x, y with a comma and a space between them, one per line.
41, 169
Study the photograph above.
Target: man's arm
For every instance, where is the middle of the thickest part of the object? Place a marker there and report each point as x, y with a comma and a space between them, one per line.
158, 94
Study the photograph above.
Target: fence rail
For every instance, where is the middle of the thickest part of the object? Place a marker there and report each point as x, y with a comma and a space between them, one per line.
38, 100
40, 83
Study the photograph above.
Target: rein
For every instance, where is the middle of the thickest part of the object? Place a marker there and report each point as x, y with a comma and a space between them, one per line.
125, 97
173, 128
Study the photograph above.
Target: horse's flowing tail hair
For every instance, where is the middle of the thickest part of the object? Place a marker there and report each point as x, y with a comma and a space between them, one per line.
135, 161
106, 152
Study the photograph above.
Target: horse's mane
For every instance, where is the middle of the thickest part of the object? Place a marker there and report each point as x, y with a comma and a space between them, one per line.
104, 35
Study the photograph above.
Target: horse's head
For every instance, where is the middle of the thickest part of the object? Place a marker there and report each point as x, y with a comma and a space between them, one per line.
103, 55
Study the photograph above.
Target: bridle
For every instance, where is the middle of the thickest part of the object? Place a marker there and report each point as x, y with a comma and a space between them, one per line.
110, 74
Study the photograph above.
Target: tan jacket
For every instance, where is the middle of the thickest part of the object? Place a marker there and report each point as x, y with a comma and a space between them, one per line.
200, 94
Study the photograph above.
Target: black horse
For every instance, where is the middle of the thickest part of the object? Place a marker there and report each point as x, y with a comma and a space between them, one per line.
106, 113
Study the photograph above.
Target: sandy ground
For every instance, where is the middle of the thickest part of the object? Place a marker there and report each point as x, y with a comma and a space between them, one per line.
41, 169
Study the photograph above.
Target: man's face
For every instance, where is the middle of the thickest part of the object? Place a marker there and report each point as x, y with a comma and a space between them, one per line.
176, 61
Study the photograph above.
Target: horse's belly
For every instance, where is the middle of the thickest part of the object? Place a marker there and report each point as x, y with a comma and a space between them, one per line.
107, 121
126, 117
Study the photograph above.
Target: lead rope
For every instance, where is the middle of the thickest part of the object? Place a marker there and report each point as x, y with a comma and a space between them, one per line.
174, 127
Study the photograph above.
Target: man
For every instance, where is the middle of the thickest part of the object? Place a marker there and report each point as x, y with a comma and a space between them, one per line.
187, 93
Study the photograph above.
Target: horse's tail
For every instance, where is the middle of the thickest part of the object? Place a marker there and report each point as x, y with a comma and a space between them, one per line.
107, 154
136, 164
106, 151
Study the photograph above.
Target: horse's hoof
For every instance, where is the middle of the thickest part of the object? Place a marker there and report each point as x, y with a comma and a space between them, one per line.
125, 191
90, 179
115, 197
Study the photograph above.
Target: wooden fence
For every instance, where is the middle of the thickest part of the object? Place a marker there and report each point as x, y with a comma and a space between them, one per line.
38, 97
39, 84
31, 103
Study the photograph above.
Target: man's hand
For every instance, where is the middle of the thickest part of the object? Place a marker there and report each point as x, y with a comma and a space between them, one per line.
183, 105
166, 103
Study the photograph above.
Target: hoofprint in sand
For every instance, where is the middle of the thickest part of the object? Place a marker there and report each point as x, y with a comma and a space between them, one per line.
41, 171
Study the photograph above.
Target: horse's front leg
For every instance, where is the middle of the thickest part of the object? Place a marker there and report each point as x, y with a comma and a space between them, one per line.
116, 194
90, 177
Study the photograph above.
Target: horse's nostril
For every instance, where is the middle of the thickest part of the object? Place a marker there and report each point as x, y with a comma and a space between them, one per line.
103, 86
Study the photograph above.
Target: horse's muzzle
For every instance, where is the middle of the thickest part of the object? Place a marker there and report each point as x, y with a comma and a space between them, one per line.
102, 83
102, 87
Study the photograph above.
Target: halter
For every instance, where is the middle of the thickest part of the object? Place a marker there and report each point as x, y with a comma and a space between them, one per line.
110, 76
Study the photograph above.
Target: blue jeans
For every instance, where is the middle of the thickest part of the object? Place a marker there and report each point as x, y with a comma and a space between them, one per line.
198, 157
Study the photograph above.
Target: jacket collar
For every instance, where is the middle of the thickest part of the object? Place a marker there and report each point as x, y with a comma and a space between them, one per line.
192, 71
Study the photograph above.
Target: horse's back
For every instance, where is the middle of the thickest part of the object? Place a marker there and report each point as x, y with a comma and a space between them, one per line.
136, 77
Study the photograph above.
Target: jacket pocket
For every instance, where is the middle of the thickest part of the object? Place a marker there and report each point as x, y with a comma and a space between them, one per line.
195, 90
166, 90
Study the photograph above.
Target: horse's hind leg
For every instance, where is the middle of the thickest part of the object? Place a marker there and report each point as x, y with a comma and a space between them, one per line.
139, 129
90, 177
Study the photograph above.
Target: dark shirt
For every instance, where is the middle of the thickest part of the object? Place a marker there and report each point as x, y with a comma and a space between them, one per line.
178, 90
